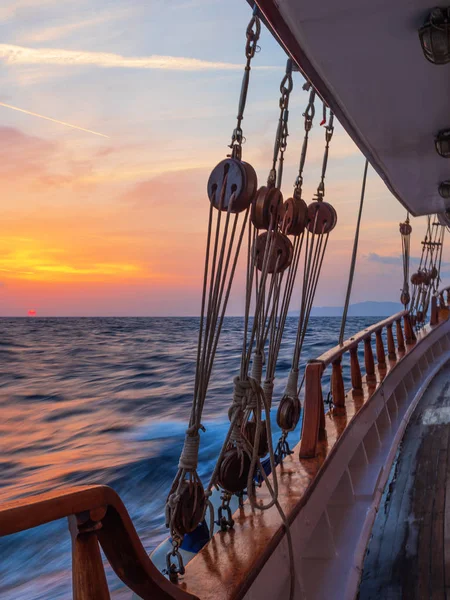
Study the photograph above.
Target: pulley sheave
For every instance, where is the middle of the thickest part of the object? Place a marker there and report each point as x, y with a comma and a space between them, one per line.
294, 216
322, 217
232, 181
280, 251
266, 207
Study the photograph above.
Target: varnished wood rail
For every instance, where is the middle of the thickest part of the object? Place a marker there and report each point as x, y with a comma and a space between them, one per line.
97, 517
443, 305
375, 370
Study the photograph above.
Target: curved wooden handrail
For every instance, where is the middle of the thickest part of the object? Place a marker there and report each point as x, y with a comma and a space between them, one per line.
330, 356
314, 411
98, 511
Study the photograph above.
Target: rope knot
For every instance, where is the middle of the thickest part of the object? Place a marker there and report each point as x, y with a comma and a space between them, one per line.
189, 455
268, 390
257, 365
292, 383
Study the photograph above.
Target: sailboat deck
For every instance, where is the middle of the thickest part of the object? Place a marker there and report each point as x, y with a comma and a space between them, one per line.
409, 552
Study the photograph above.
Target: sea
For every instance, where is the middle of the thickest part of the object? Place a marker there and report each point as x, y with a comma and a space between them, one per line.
107, 400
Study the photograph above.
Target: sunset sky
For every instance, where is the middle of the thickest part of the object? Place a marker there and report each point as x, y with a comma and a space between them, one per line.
110, 219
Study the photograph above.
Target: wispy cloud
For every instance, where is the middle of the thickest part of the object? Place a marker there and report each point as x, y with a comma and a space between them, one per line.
33, 114
55, 32
21, 55
8, 10
394, 260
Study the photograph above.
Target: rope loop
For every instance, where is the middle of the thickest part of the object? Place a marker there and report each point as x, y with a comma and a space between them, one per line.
292, 383
189, 455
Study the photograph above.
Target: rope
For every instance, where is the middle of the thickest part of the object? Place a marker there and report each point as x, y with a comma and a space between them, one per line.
315, 248
406, 253
354, 256
427, 277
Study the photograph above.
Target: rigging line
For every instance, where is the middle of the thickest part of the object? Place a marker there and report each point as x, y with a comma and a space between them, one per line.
248, 289
268, 251
209, 328
220, 305
227, 294
202, 311
354, 255
285, 308
220, 278
212, 275
316, 281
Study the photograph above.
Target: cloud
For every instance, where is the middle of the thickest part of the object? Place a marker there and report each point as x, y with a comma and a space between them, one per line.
58, 31
20, 55
8, 10
33, 114
46, 164
394, 260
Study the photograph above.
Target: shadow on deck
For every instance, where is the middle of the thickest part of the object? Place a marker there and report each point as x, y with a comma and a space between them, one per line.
408, 556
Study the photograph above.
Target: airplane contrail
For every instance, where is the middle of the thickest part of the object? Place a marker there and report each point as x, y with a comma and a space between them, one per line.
33, 114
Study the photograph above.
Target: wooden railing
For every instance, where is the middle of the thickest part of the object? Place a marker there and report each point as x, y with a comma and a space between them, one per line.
97, 517
443, 304
314, 411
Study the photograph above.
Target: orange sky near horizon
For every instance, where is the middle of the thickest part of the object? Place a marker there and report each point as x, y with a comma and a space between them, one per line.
116, 226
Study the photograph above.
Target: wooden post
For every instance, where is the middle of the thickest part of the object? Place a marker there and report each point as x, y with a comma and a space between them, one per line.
355, 370
313, 409
368, 360
88, 574
337, 385
410, 336
390, 343
381, 355
400, 338
434, 316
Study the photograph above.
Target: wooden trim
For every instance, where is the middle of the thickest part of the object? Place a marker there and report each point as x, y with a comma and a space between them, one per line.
331, 355
312, 416
227, 567
116, 535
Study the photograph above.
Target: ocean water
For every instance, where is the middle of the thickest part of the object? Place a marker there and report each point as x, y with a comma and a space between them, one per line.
106, 400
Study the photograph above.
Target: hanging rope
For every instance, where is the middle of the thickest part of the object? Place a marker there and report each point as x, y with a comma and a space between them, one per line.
231, 188
354, 255
322, 219
269, 255
426, 280
405, 231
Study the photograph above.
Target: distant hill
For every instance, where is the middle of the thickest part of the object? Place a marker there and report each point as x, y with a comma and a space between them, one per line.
359, 309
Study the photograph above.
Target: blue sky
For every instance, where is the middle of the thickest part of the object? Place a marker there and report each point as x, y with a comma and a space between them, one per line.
116, 224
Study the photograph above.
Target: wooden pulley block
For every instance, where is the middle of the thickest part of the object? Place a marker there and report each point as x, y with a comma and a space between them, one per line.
405, 229
288, 413
418, 278
233, 471
433, 273
281, 251
323, 215
427, 277
419, 316
232, 177
188, 511
294, 216
266, 207
249, 431
405, 298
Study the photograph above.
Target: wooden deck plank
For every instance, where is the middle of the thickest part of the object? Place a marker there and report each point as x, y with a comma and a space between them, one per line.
409, 553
